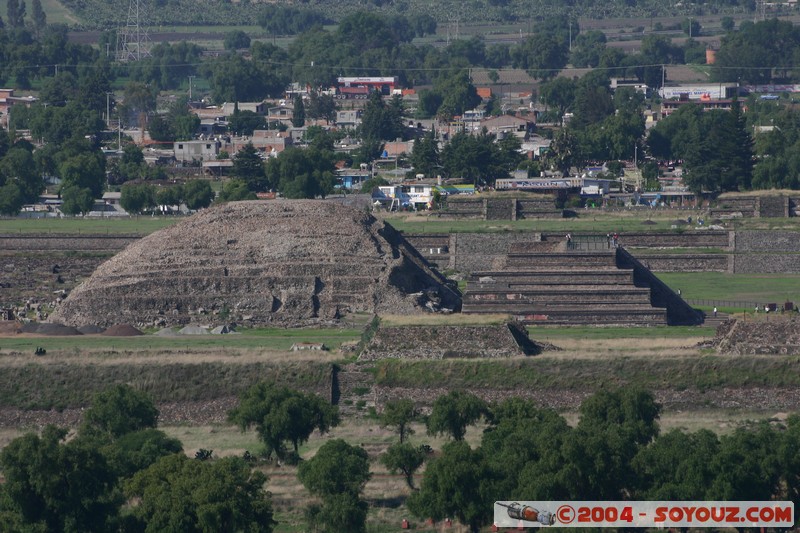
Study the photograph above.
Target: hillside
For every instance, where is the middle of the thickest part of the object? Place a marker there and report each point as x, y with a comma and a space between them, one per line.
104, 14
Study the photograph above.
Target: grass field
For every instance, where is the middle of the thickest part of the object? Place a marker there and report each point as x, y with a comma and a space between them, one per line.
254, 339
134, 225
591, 222
763, 288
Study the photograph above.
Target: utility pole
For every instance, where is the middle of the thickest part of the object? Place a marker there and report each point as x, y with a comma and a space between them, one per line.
190, 88
108, 110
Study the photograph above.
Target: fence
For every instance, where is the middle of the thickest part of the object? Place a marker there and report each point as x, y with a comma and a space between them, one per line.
788, 306
590, 242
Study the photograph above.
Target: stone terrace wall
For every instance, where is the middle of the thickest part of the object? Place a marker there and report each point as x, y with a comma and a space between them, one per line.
769, 335
767, 241
471, 252
773, 206
501, 209
766, 264
645, 239
687, 263
441, 342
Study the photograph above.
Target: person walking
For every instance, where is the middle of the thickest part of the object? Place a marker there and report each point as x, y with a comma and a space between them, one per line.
715, 312
569, 241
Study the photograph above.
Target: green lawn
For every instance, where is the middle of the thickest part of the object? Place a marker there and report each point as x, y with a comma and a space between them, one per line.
267, 339
596, 224
763, 288
138, 225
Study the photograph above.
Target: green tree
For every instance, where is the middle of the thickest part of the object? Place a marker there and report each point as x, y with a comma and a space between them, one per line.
381, 122
178, 494
614, 426
399, 414
691, 27
676, 466
404, 458
136, 199
120, 410
337, 474
747, 465
38, 17
336, 468
302, 173
18, 167
541, 55
245, 122
76, 201
236, 40
139, 100
249, 167
170, 196
456, 484
280, 415
453, 412
321, 106
11, 200
558, 93
51, 485
86, 170
197, 194
160, 129
425, 155
235, 190
727, 24
298, 112
137, 450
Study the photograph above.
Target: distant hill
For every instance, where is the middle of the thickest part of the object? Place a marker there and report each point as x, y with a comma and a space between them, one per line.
109, 14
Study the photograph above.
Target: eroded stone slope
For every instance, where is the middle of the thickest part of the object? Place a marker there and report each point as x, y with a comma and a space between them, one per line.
288, 263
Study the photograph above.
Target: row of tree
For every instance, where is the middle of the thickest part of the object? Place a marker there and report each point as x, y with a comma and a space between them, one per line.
120, 473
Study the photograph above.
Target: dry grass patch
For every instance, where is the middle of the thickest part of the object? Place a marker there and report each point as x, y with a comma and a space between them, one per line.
601, 348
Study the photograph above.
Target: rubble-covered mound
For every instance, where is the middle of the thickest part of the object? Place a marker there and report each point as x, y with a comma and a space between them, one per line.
444, 342
288, 263
775, 334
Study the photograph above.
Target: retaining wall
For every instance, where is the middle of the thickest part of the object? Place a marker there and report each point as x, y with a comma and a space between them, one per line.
763, 263
767, 241
484, 251
687, 263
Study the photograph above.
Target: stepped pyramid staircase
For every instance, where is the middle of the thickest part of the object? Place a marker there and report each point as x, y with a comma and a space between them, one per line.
576, 286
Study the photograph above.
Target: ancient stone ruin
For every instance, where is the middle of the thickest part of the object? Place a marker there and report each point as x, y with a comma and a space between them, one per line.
287, 263
444, 342
766, 335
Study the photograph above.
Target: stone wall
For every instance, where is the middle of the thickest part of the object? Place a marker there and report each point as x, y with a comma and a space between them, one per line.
687, 263
500, 208
442, 342
651, 239
773, 206
472, 252
764, 263
767, 241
